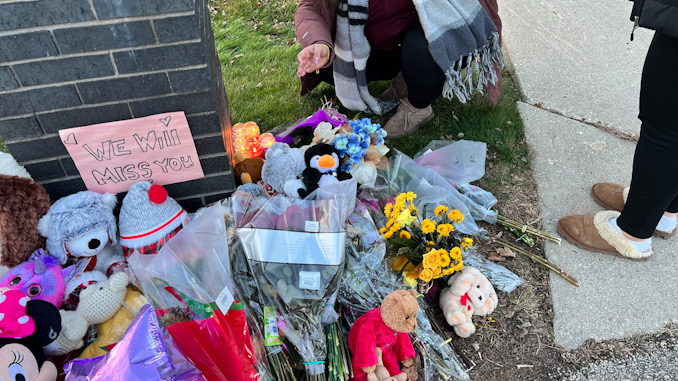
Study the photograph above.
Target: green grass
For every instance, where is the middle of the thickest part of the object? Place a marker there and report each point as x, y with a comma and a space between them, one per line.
258, 49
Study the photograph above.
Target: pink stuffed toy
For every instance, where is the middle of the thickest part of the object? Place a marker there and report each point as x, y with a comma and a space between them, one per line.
387, 328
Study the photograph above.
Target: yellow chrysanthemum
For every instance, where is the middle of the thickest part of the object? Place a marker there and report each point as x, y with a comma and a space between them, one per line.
455, 253
399, 205
431, 259
383, 230
459, 266
455, 216
388, 234
426, 275
445, 229
444, 260
428, 226
410, 196
405, 234
466, 242
395, 227
388, 209
440, 210
448, 271
389, 223
399, 262
413, 209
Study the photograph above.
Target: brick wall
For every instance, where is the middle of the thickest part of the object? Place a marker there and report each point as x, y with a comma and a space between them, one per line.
71, 63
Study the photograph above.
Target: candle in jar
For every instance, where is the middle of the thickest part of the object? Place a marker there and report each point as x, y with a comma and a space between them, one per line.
266, 140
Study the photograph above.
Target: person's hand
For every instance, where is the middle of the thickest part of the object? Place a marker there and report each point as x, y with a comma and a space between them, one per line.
312, 58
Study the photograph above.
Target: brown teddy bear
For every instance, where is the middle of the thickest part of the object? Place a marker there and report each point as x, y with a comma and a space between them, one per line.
470, 293
386, 328
380, 373
247, 170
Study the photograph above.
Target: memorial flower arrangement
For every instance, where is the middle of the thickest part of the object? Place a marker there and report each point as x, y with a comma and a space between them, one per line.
423, 248
353, 145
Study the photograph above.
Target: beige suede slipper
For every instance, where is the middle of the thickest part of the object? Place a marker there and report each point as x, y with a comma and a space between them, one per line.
595, 233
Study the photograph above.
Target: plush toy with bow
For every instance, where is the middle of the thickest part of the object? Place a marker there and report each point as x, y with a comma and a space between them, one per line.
323, 167
470, 293
41, 278
27, 326
387, 328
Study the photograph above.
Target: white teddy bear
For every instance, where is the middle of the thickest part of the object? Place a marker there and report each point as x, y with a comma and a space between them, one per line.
98, 303
470, 293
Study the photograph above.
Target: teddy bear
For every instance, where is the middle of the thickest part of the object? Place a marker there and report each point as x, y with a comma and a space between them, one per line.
82, 227
470, 293
41, 278
282, 170
380, 373
99, 302
22, 203
323, 167
386, 327
26, 327
247, 170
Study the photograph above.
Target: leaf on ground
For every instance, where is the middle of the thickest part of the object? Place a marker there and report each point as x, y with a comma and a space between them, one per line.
496, 258
506, 252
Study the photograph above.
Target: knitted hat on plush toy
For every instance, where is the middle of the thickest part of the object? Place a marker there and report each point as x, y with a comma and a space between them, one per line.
148, 218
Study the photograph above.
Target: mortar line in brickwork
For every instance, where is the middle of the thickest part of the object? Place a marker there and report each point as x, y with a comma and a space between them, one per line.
94, 11
125, 75
16, 78
115, 67
129, 106
87, 106
51, 35
60, 179
45, 159
205, 194
155, 34
78, 24
104, 51
77, 91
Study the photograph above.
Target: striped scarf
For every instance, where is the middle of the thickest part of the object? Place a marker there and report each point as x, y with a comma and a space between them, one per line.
458, 32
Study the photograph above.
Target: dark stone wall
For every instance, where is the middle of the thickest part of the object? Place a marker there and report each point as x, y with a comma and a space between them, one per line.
72, 63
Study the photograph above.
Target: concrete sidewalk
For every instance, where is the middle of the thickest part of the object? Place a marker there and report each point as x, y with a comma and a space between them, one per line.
577, 70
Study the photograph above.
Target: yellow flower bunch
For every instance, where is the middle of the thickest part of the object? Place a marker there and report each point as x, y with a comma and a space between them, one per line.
427, 248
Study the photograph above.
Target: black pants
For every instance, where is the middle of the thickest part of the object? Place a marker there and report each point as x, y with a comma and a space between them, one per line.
654, 183
423, 76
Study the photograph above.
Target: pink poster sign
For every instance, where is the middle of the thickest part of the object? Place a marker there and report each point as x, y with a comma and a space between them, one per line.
112, 156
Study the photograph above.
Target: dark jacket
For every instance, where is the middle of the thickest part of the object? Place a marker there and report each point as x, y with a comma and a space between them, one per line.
659, 15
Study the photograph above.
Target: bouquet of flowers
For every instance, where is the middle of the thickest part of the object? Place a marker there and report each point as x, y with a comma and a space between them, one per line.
423, 248
294, 251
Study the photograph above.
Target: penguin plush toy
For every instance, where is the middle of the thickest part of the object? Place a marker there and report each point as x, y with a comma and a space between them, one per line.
323, 167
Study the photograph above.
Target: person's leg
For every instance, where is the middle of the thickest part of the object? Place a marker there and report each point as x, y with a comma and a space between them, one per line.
424, 78
654, 184
381, 66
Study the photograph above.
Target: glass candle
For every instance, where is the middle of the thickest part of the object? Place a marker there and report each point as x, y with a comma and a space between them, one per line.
266, 140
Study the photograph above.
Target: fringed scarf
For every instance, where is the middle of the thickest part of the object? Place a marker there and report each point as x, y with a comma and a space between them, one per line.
459, 33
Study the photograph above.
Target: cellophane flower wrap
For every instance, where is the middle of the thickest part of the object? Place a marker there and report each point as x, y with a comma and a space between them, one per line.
190, 286
368, 279
294, 252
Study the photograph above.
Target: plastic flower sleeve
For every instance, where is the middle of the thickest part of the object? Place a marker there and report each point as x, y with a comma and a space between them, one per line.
501, 278
295, 252
145, 352
405, 175
366, 282
189, 283
459, 162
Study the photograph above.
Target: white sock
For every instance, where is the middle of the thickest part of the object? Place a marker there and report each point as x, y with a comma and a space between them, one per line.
666, 224
641, 246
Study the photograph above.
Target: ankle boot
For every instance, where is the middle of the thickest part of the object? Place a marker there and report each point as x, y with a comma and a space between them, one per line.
397, 91
407, 119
